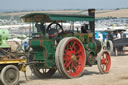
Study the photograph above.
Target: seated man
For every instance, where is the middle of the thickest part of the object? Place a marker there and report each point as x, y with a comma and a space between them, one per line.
25, 46
40, 27
84, 28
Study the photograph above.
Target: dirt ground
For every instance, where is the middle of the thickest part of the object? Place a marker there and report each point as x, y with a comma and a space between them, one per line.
118, 75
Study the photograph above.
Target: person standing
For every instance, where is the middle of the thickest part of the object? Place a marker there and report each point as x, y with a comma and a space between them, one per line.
118, 35
25, 46
111, 36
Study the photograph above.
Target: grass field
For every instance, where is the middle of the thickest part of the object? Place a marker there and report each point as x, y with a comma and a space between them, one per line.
99, 13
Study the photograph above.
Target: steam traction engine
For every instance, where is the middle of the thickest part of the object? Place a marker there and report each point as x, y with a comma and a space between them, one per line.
67, 50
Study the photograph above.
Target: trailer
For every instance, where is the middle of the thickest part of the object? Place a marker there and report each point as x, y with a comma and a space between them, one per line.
10, 63
10, 66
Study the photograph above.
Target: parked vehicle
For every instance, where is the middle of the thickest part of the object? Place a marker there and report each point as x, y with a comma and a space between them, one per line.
116, 40
120, 43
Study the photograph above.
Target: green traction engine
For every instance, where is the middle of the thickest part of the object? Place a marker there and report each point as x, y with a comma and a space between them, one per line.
54, 45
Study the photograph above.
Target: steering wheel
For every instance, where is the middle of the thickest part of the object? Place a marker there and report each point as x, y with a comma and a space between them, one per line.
54, 30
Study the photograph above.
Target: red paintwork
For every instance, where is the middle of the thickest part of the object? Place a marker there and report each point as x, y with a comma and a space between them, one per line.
75, 66
105, 62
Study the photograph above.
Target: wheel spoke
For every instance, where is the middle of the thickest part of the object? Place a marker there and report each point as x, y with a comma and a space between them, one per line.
43, 70
103, 61
67, 64
70, 68
73, 46
78, 62
104, 67
68, 47
68, 53
73, 67
104, 58
104, 55
78, 51
67, 58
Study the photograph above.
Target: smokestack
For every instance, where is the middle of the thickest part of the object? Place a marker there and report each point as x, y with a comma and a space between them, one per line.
91, 13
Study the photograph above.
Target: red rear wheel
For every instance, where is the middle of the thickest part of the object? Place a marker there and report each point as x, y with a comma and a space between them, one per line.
104, 62
72, 57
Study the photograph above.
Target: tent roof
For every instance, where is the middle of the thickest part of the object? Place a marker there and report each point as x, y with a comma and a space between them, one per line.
46, 17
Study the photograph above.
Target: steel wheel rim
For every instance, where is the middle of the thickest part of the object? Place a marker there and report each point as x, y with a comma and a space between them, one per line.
73, 58
11, 76
105, 62
57, 57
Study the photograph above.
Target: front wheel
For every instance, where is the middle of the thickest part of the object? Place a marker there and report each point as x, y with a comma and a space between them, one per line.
104, 62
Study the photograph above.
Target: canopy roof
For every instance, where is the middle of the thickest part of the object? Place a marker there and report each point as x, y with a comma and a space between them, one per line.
46, 17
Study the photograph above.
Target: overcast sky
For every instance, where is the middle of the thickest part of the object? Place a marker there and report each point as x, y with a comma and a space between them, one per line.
62, 4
